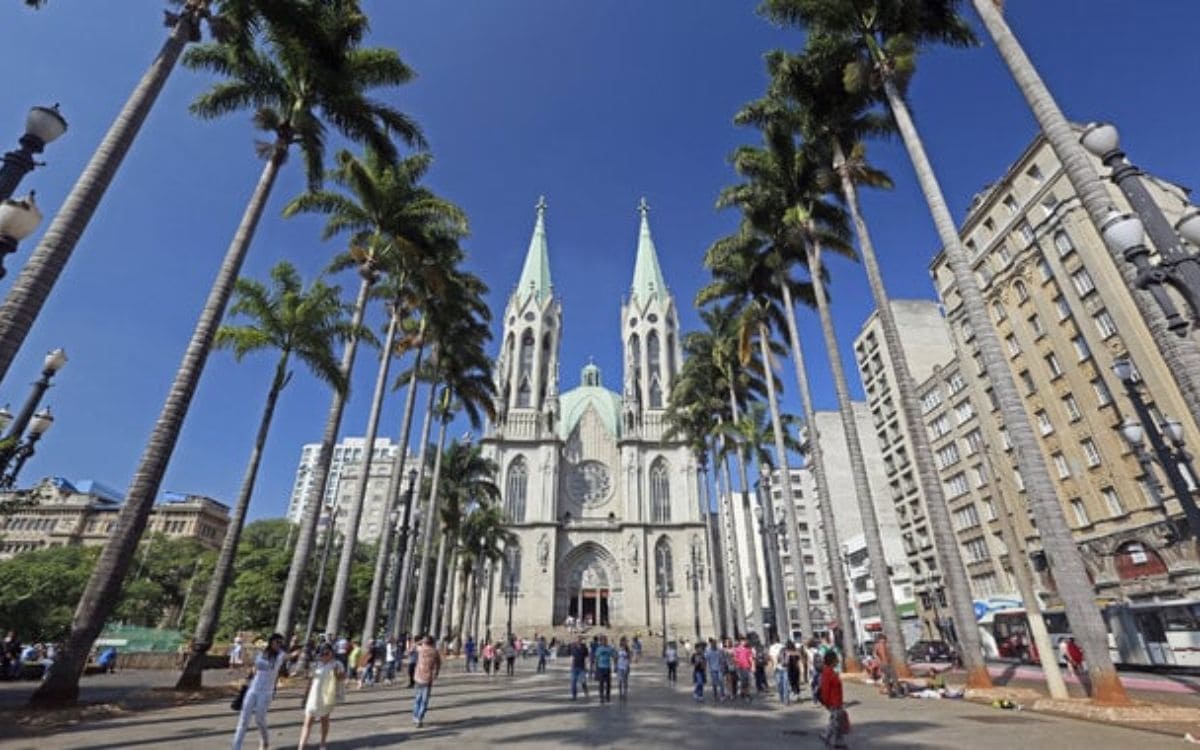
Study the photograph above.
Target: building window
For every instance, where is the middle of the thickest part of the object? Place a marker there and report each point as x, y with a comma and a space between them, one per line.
1063, 244
1091, 452
1014, 348
653, 364
1026, 231
1044, 269
1103, 396
1081, 348
515, 488
964, 410
1083, 282
664, 577
1044, 424
931, 400
1035, 324
940, 427
998, 313
976, 550
1054, 366
981, 475
966, 518
989, 509
1064, 309
1003, 256
1035, 174
956, 383
1049, 203
1072, 407
1021, 291
974, 442
525, 372
1105, 324
1113, 500
660, 492
947, 456
1081, 516
1027, 381
956, 486
1060, 463
1010, 204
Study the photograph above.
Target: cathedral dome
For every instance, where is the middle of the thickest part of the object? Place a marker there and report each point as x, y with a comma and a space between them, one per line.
590, 393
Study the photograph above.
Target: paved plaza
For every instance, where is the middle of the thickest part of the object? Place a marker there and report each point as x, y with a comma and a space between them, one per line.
532, 710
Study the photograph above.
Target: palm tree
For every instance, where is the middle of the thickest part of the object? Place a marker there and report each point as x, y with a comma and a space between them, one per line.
484, 537
1181, 353
746, 276
464, 371
235, 21
390, 219
293, 321
832, 116
468, 480
887, 41
292, 89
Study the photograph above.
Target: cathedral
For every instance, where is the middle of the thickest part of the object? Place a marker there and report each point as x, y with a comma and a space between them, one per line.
605, 510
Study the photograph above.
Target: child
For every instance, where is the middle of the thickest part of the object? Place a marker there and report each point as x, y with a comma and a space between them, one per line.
830, 695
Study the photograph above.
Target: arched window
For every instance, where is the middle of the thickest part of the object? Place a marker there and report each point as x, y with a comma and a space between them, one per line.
660, 493
653, 364
672, 369
633, 355
545, 368
512, 569
1063, 243
664, 576
514, 490
998, 313
1021, 291
525, 374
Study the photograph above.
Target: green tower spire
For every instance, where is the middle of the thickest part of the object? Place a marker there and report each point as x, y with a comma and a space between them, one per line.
647, 276
535, 275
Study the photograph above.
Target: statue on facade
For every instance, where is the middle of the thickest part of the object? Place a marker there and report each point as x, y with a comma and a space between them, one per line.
631, 551
543, 551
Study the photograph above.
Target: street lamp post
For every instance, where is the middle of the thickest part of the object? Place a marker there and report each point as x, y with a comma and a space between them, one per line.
42, 125
328, 522
1176, 267
13, 447
1173, 457
401, 547
18, 219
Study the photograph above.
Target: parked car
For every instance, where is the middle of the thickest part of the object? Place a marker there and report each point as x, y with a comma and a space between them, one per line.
931, 652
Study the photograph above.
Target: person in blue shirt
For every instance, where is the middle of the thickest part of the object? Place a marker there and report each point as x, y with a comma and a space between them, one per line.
469, 652
603, 657
578, 651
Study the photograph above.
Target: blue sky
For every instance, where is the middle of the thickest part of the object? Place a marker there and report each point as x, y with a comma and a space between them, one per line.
591, 104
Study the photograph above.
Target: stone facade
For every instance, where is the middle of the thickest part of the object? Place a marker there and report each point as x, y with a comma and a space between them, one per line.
606, 512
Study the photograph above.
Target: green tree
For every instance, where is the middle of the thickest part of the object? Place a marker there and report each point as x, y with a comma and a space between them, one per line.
260, 569
36, 589
295, 322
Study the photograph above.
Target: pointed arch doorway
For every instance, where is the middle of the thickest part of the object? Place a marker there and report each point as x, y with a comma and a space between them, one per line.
589, 589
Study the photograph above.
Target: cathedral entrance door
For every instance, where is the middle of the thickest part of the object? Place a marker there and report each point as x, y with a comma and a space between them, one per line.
590, 606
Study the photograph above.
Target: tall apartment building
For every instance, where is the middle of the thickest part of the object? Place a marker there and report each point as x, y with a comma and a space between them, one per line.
749, 558
1065, 317
927, 347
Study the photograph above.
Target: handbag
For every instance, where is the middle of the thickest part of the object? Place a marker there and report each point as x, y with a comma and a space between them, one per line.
240, 698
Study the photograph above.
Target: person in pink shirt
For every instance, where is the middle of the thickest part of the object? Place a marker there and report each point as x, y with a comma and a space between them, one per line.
743, 662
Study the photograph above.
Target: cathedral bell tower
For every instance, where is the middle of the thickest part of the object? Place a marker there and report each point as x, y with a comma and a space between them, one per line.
527, 367
650, 332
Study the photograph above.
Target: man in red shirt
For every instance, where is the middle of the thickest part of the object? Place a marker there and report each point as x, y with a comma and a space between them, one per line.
830, 694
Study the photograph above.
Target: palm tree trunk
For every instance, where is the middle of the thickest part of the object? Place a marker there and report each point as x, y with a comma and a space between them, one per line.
1181, 353
32, 286
729, 587
710, 542
306, 538
441, 611
218, 584
398, 616
884, 594
937, 508
816, 459
772, 559
800, 579
341, 581
383, 550
743, 458
738, 591
431, 523
100, 596
1070, 576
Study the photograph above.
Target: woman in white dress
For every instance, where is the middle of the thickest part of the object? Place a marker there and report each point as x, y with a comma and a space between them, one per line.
323, 694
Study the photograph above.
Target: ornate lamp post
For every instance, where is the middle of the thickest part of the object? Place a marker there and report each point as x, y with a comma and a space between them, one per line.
1176, 267
13, 447
42, 125
1166, 442
18, 219
510, 587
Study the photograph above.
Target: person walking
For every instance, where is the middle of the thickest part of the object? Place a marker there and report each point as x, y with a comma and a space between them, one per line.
469, 653
237, 656
259, 692
672, 657
390, 661
743, 662
578, 651
698, 665
889, 685
712, 663
324, 692
1073, 655
510, 655
779, 661
487, 658
542, 653
414, 646
830, 695
604, 656
637, 648
624, 660
760, 667
426, 668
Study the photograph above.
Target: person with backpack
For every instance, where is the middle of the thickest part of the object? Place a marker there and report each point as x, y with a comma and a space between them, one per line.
830, 696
